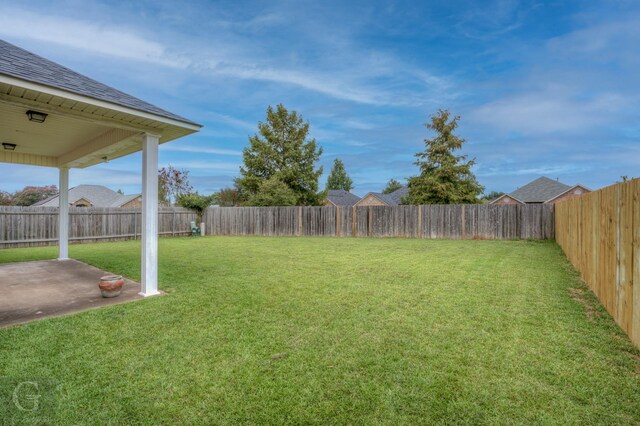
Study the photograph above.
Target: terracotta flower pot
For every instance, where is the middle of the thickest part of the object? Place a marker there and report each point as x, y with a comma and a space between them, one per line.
111, 285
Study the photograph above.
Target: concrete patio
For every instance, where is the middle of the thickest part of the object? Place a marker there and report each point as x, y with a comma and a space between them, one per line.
41, 289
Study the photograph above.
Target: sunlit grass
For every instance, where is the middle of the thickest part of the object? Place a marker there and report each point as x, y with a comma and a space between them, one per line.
326, 331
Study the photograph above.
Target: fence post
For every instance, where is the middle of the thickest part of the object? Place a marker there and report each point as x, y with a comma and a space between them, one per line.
173, 224
354, 223
135, 225
337, 221
419, 222
299, 221
463, 226
369, 219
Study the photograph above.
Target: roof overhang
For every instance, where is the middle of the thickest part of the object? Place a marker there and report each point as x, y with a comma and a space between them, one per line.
79, 131
506, 195
374, 195
573, 188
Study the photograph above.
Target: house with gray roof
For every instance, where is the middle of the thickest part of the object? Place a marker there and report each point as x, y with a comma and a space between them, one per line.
380, 199
542, 191
95, 196
341, 198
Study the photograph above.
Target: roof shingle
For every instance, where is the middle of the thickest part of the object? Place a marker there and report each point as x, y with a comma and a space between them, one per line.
22, 64
97, 195
540, 190
340, 197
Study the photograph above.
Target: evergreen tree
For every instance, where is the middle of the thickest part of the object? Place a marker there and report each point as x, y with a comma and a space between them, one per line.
445, 178
273, 192
338, 178
392, 186
282, 150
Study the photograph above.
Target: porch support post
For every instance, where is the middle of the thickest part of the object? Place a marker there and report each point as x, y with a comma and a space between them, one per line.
63, 214
149, 215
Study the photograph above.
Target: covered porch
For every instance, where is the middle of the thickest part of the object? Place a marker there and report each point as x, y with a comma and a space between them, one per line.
51, 116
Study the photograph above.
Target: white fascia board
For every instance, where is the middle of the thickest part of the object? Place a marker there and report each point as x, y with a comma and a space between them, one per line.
13, 81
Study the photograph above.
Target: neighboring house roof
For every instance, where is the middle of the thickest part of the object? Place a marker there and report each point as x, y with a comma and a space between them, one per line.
340, 198
540, 190
22, 64
124, 199
503, 196
395, 198
392, 199
581, 189
97, 195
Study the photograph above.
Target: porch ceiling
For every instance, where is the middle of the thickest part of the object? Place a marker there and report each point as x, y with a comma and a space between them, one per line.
78, 131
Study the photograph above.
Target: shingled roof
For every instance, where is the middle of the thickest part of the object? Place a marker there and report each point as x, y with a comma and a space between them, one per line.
540, 190
395, 198
340, 197
97, 195
392, 199
22, 64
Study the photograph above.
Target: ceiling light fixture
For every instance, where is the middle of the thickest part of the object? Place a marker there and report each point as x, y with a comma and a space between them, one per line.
36, 116
105, 159
9, 146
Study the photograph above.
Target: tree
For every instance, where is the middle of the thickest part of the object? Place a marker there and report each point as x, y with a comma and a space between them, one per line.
5, 198
30, 195
392, 186
229, 197
172, 184
274, 192
196, 202
492, 195
338, 178
444, 178
282, 149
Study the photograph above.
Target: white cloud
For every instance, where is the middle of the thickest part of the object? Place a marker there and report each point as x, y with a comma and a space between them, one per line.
93, 37
199, 150
543, 112
352, 74
542, 170
232, 121
213, 166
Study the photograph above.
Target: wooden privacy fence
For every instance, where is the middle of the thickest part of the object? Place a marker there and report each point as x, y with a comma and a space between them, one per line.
600, 234
36, 226
469, 221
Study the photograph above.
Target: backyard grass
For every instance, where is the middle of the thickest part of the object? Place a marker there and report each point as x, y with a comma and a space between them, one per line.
335, 331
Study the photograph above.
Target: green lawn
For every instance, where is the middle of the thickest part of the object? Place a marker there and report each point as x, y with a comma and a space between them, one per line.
335, 331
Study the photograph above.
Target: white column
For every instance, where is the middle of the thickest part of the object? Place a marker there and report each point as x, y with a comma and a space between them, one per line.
149, 272
63, 214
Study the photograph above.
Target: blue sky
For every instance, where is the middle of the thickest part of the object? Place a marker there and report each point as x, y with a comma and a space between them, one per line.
543, 88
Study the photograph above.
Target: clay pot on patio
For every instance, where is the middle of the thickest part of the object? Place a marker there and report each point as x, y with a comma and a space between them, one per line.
111, 285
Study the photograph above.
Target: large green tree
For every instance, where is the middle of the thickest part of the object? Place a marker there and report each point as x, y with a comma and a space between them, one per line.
445, 178
282, 149
338, 178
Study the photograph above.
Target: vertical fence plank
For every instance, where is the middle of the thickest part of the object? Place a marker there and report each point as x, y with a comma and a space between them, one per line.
430, 221
37, 226
600, 234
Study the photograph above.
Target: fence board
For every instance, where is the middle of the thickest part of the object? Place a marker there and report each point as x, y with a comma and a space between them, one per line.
434, 221
600, 234
37, 226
